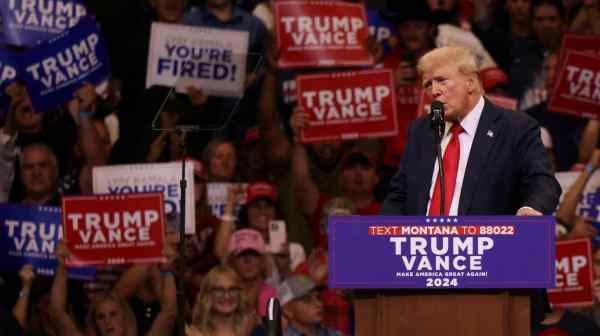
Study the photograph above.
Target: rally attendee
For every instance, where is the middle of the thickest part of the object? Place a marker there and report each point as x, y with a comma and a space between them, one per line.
221, 160
221, 307
302, 308
260, 210
21, 308
52, 155
526, 78
565, 130
357, 179
224, 14
108, 313
566, 215
416, 34
129, 60
247, 256
500, 26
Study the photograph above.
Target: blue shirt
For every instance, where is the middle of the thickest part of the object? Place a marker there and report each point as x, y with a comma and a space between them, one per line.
240, 20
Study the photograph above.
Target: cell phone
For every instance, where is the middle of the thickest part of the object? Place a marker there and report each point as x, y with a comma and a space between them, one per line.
277, 235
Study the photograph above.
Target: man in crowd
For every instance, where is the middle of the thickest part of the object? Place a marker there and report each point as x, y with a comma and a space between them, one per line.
302, 307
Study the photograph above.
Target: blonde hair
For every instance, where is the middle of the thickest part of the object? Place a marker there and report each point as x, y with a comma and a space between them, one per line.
201, 316
463, 59
91, 327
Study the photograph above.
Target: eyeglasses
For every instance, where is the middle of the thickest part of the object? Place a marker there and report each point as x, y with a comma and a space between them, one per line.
222, 292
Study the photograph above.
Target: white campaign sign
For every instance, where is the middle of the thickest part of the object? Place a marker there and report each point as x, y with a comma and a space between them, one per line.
213, 60
151, 177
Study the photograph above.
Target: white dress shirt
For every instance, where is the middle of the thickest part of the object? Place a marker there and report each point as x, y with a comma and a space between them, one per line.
469, 125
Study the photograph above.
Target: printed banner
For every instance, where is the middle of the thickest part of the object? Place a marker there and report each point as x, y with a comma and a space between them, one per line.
207, 58
8, 68
54, 70
589, 44
441, 252
348, 105
379, 27
151, 177
217, 195
574, 274
577, 91
28, 22
114, 229
8, 74
449, 35
321, 34
29, 235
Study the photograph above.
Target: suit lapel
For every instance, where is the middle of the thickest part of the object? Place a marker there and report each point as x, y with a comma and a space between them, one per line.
428, 150
486, 134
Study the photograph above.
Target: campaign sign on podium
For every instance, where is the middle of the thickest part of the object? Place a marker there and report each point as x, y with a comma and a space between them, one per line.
441, 252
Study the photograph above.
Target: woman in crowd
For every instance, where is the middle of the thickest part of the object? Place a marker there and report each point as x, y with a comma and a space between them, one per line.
221, 307
108, 314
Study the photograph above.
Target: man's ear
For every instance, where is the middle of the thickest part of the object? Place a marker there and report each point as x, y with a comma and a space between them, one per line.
470, 85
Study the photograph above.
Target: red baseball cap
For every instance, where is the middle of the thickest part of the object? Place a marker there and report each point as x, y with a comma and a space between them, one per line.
259, 190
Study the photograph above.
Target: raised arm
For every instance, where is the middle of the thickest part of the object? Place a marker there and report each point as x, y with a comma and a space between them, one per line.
565, 214
304, 186
227, 225
165, 320
20, 309
94, 153
58, 296
275, 144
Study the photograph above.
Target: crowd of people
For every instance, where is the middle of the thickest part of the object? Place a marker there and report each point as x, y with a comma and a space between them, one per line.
229, 273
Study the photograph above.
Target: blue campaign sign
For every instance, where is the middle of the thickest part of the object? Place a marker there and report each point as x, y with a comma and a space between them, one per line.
29, 235
441, 252
379, 27
8, 74
29, 22
55, 69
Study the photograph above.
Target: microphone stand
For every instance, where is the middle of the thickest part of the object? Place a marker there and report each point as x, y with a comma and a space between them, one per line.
439, 133
182, 130
182, 201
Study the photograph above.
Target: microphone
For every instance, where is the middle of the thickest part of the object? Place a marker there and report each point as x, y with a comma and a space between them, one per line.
439, 126
437, 119
273, 318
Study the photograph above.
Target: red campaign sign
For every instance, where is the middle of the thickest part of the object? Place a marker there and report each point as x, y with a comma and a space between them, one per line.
573, 274
577, 90
578, 42
348, 105
321, 34
114, 229
407, 98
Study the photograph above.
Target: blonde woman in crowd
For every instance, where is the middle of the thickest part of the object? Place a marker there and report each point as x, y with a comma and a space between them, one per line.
221, 307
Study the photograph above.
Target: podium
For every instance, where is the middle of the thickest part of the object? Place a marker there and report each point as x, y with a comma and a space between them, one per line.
451, 276
448, 313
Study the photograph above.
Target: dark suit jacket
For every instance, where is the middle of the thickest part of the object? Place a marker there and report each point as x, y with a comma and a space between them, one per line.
508, 168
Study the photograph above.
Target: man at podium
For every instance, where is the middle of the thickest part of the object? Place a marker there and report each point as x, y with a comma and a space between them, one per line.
493, 159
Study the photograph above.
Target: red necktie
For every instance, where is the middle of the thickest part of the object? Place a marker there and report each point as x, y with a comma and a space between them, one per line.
450, 162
